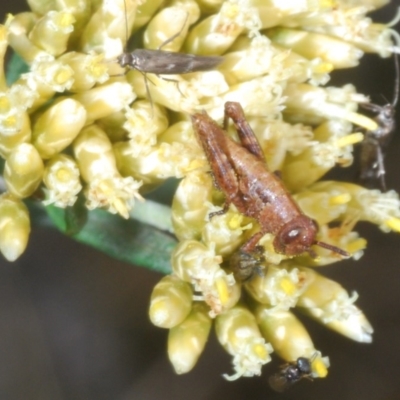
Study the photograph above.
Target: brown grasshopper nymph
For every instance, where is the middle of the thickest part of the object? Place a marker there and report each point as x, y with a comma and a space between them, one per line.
241, 173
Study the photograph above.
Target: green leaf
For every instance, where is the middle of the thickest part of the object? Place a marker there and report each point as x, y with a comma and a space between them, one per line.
146, 242
15, 68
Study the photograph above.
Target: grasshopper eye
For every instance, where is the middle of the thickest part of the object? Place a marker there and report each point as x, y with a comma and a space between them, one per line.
293, 234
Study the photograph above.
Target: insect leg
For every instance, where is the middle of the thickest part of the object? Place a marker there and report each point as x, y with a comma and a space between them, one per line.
246, 135
213, 141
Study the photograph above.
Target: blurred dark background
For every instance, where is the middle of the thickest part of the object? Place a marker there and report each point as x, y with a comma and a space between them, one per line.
74, 324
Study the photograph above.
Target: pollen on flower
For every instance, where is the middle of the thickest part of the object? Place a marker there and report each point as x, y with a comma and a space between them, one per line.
380, 208
340, 308
240, 13
319, 366
61, 178
57, 75
279, 288
249, 359
114, 193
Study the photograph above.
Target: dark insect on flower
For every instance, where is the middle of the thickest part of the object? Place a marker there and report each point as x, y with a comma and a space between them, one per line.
166, 62
241, 173
291, 373
244, 265
161, 62
373, 148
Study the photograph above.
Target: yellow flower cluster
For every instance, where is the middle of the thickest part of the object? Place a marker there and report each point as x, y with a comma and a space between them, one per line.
77, 122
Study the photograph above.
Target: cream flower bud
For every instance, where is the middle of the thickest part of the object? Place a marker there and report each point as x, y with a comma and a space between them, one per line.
144, 122
105, 100
238, 333
327, 302
312, 45
145, 11
193, 262
254, 58
106, 30
41, 7
88, 69
23, 170
225, 231
52, 31
278, 138
215, 34
332, 145
174, 94
143, 168
188, 211
96, 161
260, 96
159, 29
309, 104
14, 227
14, 130
58, 126
277, 287
187, 340
171, 302
176, 154
61, 177
374, 206
52, 73
18, 28
285, 332
3, 49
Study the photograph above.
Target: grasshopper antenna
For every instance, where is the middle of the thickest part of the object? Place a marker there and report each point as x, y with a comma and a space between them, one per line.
332, 248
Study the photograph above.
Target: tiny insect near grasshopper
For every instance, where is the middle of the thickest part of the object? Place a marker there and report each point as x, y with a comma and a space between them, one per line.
372, 153
241, 173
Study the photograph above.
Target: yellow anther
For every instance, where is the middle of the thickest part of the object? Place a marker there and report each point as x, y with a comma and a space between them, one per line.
232, 11
63, 174
343, 198
393, 224
287, 286
327, 3
323, 68
319, 368
65, 19
351, 139
223, 291
3, 32
4, 104
356, 245
235, 221
260, 351
106, 187
121, 208
63, 76
10, 122
361, 120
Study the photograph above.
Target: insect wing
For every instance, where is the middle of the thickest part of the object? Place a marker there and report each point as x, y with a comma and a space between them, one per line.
169, 62
279, 382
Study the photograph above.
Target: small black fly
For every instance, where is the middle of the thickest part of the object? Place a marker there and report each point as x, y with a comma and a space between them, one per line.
291, 373
373, 148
